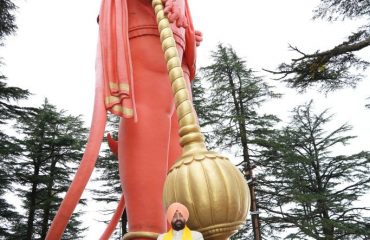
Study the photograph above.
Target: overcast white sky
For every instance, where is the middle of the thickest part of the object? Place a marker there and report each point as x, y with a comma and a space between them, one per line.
53, 54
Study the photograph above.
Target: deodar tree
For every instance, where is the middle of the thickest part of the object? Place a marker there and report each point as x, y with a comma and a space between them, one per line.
51, 143
9, 110
309, 191
227, 99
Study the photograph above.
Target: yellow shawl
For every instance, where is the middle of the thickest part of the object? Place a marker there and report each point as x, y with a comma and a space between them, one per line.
185, 236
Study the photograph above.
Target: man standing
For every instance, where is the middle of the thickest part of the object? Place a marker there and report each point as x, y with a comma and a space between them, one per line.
177, 216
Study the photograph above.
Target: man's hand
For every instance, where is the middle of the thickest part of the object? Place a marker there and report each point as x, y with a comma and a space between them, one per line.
198, 37
172, 10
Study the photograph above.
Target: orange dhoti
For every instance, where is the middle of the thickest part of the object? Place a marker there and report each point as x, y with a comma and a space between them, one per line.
149, 146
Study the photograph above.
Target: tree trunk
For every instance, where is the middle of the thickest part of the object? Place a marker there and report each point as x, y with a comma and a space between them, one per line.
327, 228
240, 111
46, 215
254, 209
32, 204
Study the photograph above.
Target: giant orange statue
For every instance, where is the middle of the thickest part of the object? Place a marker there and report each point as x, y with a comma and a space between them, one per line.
132, 81
137, 88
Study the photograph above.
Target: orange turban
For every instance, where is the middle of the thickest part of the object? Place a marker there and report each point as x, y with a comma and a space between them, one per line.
171, 210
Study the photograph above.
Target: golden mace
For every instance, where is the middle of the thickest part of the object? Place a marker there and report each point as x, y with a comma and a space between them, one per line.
213, 189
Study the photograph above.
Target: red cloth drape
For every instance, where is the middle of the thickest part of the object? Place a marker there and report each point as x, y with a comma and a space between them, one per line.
116, 57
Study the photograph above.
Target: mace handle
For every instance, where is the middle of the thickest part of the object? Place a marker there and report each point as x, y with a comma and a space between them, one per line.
191, 138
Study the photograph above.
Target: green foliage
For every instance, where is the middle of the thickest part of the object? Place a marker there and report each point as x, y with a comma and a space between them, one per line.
51, 145
8, 110
9, 150
8, 214
302, 186
231, 100
337, 67
7, 19
227, 99
334, 9
307, 188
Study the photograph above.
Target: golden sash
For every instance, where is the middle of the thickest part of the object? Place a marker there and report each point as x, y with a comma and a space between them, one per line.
185, 236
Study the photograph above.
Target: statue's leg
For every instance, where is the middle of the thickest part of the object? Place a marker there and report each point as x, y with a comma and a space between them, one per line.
174, 151
143, 145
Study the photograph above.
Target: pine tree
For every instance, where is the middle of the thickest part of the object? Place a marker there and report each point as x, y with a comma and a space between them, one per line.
8, 94
7, 19
9, 109
228, 111
51, 143
310, 190
8, 214
333, 68
8, 152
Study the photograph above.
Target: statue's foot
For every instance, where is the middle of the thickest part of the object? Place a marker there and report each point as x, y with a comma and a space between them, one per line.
140, 236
